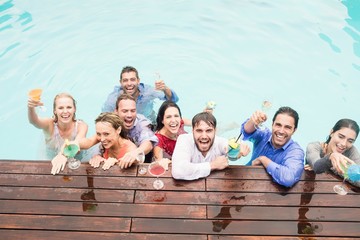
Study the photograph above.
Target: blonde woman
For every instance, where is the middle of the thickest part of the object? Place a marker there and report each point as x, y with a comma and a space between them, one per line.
61, 126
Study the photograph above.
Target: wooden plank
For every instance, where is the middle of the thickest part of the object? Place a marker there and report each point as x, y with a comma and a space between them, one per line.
103, 182
270, 186
67, 223
246, 198
66, 194
44, 168
256, 228
93, 208
224, 237
239, 212
259, 172
61, 235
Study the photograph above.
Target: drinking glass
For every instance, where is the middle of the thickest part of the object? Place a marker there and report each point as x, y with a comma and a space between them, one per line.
341, 188
141, 158
73, 163
35, 94
233, 149
265, 107
70, 150
157, 170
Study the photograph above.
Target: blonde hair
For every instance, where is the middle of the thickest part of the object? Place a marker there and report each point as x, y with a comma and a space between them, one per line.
63, 95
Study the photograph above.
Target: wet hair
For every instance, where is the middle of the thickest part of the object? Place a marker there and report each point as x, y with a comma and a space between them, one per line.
124, 96
127, 69
208, 118
114, 120
288, 111
344, 123
63, 95
160, 116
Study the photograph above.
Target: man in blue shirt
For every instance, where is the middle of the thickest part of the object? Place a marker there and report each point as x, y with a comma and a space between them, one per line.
144, 94
282, 158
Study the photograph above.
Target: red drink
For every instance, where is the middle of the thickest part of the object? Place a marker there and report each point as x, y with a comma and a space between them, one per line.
157, 170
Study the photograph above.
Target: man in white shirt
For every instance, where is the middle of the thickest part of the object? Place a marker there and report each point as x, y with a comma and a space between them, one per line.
197, 154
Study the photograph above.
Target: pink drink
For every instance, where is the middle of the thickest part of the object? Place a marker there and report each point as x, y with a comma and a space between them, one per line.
157, 170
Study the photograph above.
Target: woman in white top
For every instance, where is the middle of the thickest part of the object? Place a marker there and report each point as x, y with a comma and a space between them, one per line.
61, 126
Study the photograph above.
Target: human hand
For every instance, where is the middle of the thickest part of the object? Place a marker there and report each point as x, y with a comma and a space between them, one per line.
34, 103
339, 161
58, 163
128, 159
96, 160
219, 163
256, 162
244, 150
208, 110
258, 117
109, 163
160, 85
307, 167
164, 162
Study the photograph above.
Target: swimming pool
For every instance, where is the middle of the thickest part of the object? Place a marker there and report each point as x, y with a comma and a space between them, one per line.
304, 54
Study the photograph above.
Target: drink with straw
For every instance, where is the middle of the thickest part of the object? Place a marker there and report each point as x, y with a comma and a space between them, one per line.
233, 150
70, 150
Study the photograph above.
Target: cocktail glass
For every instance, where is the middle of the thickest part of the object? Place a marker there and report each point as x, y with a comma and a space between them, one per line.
233, 149
341, 188
265, 107
157, 170
73, 163
35, 94
141, 158
70, 151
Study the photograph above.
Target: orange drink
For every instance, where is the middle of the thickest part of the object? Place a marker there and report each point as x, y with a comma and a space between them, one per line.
35, 94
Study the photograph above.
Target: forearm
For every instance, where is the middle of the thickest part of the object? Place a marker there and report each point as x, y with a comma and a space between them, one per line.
183, 169
145, 146
168, 93
249, 126
85, 143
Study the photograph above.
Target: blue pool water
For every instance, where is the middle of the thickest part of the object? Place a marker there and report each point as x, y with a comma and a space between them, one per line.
304, 54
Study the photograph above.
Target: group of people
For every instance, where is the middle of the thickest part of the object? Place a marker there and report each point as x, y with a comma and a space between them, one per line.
129, 126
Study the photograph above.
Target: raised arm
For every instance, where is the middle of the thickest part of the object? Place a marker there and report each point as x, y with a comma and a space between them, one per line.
42, 123
256, 118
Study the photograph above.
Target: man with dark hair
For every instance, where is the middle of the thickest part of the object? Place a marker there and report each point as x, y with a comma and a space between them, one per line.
274, 149
197, 154
138, 128
144, 94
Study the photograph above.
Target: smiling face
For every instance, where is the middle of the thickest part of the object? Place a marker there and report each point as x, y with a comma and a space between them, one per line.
204, 136
171, 120
341, 140
129, 82
282, 129
106, 134
64, 109
127, 112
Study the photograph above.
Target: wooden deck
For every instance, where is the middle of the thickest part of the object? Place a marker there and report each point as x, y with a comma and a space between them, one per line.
236, 203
